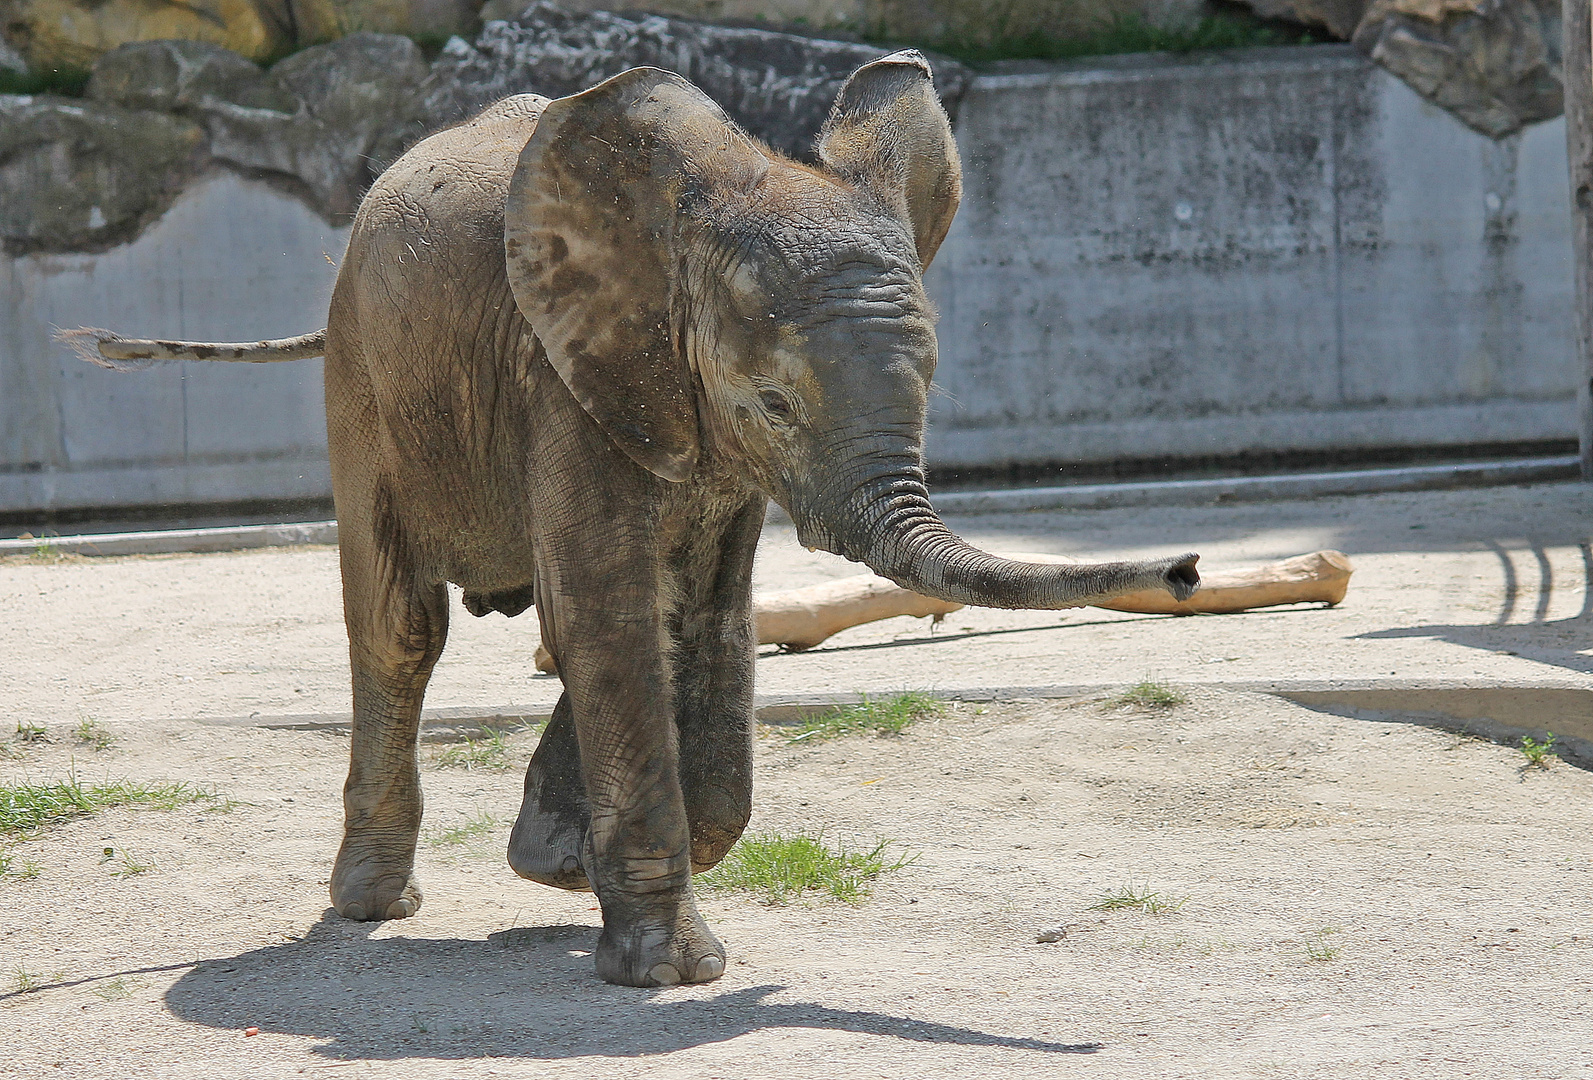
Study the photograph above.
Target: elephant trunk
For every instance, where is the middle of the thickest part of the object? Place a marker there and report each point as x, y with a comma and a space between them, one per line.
890, 525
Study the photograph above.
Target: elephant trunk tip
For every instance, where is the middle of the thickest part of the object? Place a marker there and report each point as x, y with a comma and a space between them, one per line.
1180, 577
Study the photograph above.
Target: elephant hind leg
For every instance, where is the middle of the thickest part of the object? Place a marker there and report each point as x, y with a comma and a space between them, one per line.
397, 624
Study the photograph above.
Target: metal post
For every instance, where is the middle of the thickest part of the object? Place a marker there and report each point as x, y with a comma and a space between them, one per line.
1578, 37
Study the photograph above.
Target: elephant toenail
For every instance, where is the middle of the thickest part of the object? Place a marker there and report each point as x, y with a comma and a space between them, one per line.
709, 968
400, 909
355, 911
570, 864
664, 975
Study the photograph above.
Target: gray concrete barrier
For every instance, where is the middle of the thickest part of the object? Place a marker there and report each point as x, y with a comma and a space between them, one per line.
1266, 251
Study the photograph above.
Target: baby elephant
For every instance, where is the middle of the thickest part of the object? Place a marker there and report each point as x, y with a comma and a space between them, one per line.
574, 347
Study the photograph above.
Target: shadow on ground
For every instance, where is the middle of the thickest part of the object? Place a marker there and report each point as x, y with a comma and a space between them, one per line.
528, 992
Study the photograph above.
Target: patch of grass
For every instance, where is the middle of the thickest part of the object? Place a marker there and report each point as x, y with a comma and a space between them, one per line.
25, 808
884, 716
114, 990
1138, 898
474, 829
92, 733
28, 732
127, 864
25, 870
27, 981
1321, 949
1151, 695
491, 751
780, 869
1537, 753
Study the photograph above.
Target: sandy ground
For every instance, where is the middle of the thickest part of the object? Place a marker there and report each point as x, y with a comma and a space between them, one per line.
1447, 891
1446, 894
1484, 587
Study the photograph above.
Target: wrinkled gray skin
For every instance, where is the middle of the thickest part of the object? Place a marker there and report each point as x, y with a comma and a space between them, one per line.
571, 375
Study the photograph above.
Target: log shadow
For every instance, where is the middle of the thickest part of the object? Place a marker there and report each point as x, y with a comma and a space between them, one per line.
524, 993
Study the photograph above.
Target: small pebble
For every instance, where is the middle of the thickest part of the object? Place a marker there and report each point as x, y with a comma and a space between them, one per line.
1050, 934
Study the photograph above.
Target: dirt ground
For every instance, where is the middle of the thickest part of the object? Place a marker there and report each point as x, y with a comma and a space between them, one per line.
1490, 587
1363, 900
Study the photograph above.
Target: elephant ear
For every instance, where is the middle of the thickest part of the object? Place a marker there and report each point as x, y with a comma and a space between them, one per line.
889, 133
592, 226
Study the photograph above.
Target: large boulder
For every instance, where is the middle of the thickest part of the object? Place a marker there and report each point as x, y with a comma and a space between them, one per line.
71, 33
85, 176
778, 86
1494, 64
330, 117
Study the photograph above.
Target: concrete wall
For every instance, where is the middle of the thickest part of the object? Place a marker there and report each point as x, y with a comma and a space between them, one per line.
1155, 257
1285, 250
232, 260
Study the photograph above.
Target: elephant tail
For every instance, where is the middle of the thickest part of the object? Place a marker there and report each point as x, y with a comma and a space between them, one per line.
111, 350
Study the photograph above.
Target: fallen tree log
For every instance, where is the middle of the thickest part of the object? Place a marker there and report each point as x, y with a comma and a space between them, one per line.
802, 618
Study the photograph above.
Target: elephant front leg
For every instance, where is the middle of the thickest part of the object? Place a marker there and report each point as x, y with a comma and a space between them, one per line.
638, 853
548, 842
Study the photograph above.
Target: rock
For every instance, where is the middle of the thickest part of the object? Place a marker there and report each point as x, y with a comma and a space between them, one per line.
330, 117
359, 100
11, 60
1051, 934
1338, 17
71, 33
1494, 64
190, 77
777, 86
84, 175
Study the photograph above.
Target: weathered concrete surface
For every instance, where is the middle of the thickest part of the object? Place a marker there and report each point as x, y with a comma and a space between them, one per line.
233, 256
1281, 250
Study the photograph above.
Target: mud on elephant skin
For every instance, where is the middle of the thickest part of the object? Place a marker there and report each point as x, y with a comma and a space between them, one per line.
573, 349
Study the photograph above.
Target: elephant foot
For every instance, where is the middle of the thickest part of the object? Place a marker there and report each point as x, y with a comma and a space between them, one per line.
649, 952
549, 849
711, 840
374, 879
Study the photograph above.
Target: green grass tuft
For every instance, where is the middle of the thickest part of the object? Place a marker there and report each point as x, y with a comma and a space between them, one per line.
491, 751
1321, 949
1138, 898
779, 869
885, 716
1537, 753
94, 734
28, 732
25, 808
127, 864
1150, 695
474, 829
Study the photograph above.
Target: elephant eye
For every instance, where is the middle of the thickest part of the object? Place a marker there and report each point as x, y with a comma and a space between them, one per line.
777, 405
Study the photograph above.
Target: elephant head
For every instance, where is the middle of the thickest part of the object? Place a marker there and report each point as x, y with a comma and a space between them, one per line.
705, 298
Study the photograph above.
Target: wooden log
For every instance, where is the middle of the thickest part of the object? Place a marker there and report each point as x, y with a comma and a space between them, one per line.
802, 618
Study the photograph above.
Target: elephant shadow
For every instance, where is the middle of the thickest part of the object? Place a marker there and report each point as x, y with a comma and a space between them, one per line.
527, 993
